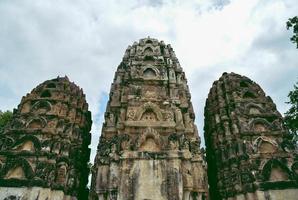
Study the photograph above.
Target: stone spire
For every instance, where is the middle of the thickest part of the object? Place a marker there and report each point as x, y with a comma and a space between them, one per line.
249, 153
149, 146
44, 150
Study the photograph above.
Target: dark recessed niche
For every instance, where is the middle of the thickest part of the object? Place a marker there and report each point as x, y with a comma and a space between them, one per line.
51, 85
249, 94
148, 58
243, 84
46, 93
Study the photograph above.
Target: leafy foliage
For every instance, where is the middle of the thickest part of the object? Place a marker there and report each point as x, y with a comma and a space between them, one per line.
5, 117
293, 23
291, 116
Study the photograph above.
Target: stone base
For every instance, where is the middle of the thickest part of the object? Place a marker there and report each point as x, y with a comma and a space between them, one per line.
33, 193
286, 194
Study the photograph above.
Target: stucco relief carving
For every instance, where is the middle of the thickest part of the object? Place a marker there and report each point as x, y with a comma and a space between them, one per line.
150, 72
149, 141
265, 145
168, 116
43, 135
151, 107
150, 95
158, 129
36, 123
178, 118
244, 134
130, 114
42, 107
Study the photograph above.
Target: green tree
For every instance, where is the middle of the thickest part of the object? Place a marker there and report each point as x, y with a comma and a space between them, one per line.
5, 117
293, 23
291, 116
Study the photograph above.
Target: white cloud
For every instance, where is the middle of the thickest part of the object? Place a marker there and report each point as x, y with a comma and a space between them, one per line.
86, 40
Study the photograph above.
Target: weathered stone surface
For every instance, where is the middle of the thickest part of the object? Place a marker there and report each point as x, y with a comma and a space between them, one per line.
31, 193
249, 152
44, 150
149, 146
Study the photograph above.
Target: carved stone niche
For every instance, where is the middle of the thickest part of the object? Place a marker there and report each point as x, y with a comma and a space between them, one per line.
149, 59
253, 109
41, 107
259, 125
150, 72
19, 169
110, 119
16, 173
46, 94
277, 174
249, 95
148, 51
36, 123
26, 107
61, 173
178, 118
174, 141
26, 145
149, 109
275, 171
149, 115
265, 145
149, 141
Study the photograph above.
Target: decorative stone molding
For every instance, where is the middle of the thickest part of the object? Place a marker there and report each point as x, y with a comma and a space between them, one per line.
45, 146
148, 106
248, 154
153, 108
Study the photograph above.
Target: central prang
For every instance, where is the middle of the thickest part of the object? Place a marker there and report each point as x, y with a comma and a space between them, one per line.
149, 146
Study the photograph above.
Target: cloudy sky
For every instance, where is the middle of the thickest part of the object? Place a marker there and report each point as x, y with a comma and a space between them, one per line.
86, 39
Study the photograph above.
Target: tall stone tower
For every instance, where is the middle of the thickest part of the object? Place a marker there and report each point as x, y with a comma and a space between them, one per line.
149, 146
44, 150
249, 152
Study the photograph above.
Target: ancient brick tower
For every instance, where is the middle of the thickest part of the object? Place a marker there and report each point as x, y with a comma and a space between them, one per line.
249, 152
44, 151
149, 147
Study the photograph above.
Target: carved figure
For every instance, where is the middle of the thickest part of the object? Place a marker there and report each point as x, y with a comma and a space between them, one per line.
178, 118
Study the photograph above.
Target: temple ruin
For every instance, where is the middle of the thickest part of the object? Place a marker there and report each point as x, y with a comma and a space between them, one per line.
249, 152
149, 148
44, 150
